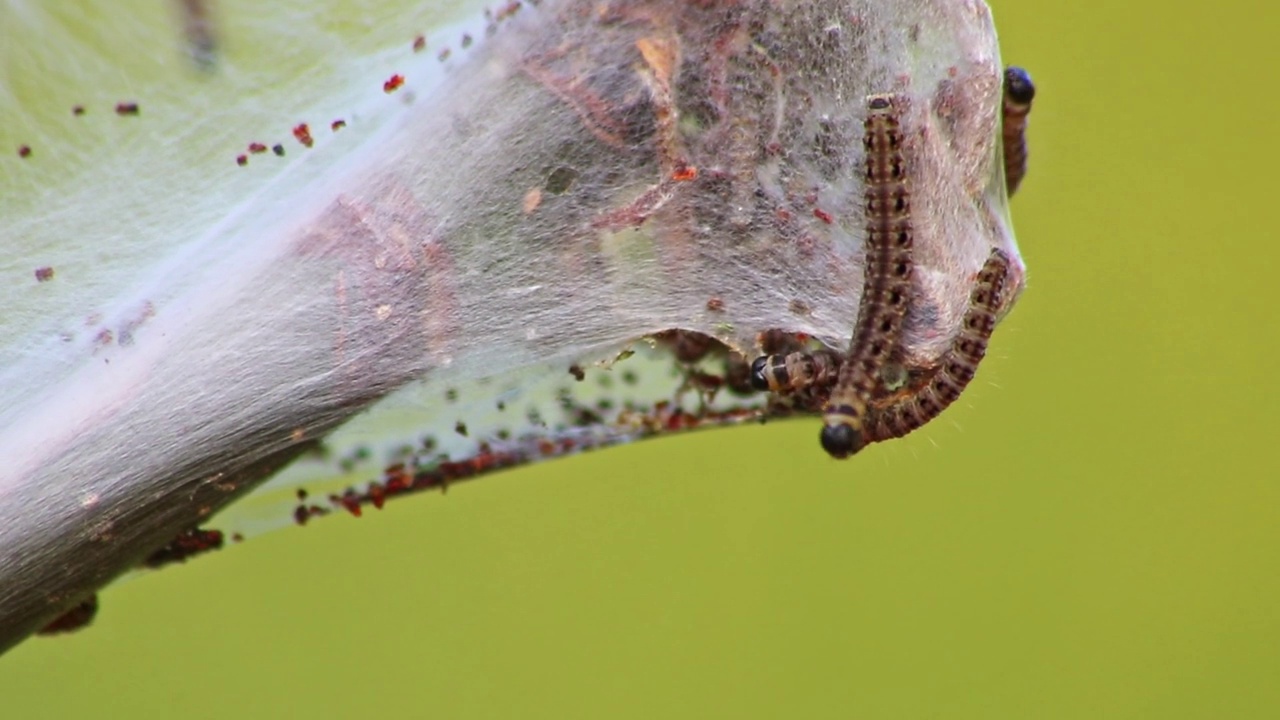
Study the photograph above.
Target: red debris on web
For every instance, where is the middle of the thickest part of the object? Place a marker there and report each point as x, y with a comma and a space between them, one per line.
302, 133
507, 10
186, 545
685, 173
348, 501
74, 619
438, 473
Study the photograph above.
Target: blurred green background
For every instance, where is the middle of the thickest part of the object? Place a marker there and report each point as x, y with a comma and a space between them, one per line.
1094, 531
